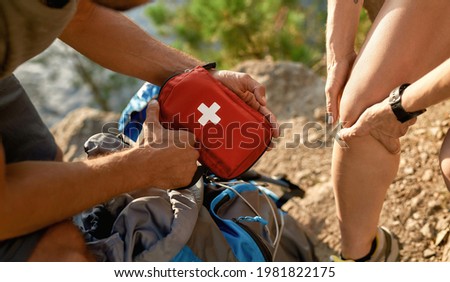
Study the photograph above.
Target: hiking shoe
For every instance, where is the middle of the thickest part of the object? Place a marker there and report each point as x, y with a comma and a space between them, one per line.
334, 258
387, 248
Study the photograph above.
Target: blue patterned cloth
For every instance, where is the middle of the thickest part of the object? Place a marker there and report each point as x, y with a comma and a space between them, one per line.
133, 116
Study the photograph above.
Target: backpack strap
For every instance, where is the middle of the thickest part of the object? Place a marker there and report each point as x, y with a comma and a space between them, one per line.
290, 189
201, 170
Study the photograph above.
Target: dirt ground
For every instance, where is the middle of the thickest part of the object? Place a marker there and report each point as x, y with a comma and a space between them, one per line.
416, 208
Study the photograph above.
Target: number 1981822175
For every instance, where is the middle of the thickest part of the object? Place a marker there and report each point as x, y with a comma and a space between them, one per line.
300, 271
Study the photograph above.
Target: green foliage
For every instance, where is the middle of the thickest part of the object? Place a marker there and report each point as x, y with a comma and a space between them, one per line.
363, 29
229, 31
225, 31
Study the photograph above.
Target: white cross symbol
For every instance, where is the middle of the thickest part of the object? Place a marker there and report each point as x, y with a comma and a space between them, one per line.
209, 113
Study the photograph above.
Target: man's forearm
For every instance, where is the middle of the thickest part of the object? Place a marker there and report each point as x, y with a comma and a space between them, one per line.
36, 194
431, 89
112, 40
342, 25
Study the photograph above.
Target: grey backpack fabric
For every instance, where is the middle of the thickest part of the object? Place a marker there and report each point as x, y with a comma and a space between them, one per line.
211, 221
153, 227
175, 226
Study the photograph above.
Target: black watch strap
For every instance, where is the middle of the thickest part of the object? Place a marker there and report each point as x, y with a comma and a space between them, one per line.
396, 105
57, 4
210, 66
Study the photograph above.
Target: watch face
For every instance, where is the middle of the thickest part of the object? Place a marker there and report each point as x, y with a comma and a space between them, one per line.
394, 97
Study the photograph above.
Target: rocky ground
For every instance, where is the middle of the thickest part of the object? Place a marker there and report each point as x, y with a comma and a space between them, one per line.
416, 208
417, 203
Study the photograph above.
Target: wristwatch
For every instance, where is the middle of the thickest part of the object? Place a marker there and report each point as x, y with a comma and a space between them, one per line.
395, 100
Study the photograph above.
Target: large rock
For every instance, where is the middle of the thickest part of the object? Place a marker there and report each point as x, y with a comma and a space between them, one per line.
292, 89
78, 126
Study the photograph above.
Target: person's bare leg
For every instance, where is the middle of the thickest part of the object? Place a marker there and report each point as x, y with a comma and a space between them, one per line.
408, 39
444, 158
61, 242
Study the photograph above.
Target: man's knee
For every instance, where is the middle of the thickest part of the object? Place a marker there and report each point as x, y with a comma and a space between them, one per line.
61, 242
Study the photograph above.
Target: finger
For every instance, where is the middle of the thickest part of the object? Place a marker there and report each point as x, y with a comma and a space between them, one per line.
152, 127
250, 99
240, 84
334, 109
329, 109
411, 122
332, 114
332, 100
403, 131
191, 140
328, 101
346, 134
260, 94
193, 171
272, 120
405, 127
186, 139
391, 144
258, 90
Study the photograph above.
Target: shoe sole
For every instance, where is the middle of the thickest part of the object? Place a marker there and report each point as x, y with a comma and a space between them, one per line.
393, 246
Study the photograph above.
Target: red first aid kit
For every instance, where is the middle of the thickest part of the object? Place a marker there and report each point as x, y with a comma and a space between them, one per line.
232, 135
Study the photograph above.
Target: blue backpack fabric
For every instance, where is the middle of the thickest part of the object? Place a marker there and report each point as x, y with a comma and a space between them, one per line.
133, 116
246, 215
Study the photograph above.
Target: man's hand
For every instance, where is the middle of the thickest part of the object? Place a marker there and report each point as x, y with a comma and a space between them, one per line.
380, 122
250, 91
171, 154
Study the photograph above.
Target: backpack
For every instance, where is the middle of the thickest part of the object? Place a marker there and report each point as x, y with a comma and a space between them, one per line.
253, 224
215, 220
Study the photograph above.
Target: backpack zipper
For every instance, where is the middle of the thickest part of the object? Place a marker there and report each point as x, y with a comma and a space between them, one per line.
262, 247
